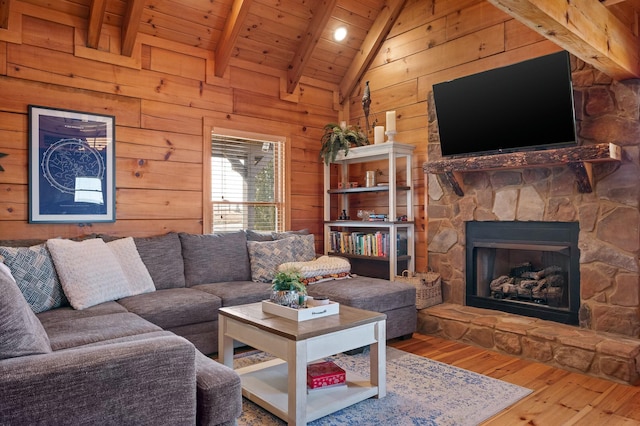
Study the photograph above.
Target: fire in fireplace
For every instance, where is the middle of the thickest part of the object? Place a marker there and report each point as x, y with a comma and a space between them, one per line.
526, 268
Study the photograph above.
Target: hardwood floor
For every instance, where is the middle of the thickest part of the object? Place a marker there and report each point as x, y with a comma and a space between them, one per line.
559, 397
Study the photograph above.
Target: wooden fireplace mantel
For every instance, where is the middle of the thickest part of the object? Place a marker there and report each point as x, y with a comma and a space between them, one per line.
578, 158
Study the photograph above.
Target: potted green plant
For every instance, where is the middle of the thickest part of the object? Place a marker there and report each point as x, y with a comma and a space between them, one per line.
339, 137
287, 287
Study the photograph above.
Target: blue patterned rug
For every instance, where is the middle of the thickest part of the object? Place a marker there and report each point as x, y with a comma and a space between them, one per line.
420, 391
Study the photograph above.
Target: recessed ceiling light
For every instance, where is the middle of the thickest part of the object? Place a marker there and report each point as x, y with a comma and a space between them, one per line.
340, 33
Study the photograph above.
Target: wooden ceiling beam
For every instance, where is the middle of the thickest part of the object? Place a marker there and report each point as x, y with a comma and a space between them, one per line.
230, 33
4, 13
321, 15
97, 9
585, 28
370, 46
130, 25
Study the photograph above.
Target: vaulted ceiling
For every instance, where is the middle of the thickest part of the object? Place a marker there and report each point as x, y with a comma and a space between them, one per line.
296, 36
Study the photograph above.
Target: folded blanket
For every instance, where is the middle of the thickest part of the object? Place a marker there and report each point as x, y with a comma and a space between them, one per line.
324, 268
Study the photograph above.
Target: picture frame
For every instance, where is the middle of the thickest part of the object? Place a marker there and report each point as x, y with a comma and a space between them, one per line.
71, 166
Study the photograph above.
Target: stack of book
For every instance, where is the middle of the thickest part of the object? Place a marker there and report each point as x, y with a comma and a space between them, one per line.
365, 244
380, 217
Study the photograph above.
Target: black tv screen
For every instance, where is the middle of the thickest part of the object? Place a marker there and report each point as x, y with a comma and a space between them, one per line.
527, 105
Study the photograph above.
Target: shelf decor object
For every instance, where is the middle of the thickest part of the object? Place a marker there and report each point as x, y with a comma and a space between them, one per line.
339, 138
71, 166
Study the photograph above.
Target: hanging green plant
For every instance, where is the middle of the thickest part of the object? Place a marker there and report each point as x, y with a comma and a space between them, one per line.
2, 154
338, 138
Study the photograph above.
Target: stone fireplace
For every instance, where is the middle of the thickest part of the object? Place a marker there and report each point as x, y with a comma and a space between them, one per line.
606, 213
607, 218
526, 268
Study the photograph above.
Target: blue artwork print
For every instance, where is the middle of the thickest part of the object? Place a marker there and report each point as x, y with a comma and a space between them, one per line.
72, 167
69, 166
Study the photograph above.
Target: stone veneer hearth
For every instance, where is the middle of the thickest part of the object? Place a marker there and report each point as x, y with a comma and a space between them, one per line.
609, 217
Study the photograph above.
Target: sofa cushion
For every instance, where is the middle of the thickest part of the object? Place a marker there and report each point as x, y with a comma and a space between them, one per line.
271, 235
138, 277
67, 313
84, 331
22, 243
372, 294
213, 258
266, 256
258, 235
287, 234
162, 256
237, 292
219, 392
174, 307
21, 333
89, 271
35, 275
203, 335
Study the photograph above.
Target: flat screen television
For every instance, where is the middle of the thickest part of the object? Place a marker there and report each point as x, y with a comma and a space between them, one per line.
525, 106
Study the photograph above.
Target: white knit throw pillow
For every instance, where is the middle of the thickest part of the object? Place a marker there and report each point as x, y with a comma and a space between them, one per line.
89, 272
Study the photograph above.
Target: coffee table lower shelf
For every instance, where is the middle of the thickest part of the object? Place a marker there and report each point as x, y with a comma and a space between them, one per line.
266, 385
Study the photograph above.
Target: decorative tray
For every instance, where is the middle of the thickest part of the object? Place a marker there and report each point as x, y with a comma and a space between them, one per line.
302, 314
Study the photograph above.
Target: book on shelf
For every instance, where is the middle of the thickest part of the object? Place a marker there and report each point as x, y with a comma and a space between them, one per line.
376, 244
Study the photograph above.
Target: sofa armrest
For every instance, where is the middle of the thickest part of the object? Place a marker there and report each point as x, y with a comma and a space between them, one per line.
144, 382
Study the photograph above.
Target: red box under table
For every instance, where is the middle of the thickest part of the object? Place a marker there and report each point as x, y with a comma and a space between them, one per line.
327, 373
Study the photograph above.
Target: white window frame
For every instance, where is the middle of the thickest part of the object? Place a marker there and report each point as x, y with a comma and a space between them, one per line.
282, 207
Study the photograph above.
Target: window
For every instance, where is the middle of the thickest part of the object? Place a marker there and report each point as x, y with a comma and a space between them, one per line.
247, 183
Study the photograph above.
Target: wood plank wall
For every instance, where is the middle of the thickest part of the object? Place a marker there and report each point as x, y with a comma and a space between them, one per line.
166, 99
435, 41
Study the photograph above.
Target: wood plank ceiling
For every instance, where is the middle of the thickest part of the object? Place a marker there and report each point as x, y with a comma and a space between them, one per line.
296, 36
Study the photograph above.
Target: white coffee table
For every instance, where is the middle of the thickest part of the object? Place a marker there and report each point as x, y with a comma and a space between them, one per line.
280, 385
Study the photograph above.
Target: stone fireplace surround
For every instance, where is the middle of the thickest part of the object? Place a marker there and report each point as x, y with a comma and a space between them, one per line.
606, 342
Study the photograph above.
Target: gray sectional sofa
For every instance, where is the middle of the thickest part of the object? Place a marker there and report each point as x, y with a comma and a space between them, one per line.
140, 359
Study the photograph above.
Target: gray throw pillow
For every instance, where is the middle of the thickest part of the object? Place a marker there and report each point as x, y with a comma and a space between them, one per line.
21, 333
162, 255
214, 258
266, 256
33, 270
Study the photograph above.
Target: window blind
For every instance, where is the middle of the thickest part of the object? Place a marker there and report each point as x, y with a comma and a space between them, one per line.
247, 184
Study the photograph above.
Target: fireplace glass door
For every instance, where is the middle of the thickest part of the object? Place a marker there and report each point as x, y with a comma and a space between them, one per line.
524, 273
527, 268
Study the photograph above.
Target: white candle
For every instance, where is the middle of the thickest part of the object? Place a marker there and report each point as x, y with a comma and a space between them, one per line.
391, 121
343, 125
378, 134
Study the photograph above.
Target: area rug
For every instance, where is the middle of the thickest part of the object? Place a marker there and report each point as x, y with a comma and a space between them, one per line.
420, 391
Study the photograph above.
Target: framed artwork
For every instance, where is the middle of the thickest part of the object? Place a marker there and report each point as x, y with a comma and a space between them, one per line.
71, 166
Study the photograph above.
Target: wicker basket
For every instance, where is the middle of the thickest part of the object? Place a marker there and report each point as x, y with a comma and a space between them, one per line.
428, 287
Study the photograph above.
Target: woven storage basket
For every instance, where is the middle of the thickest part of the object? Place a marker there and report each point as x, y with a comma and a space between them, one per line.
428, 287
